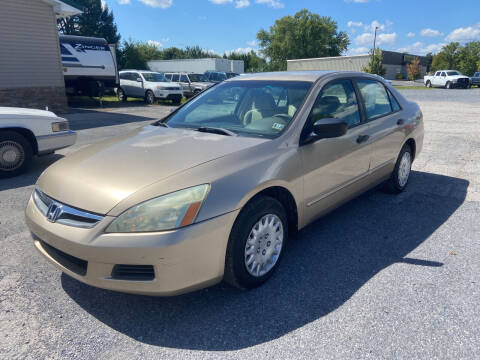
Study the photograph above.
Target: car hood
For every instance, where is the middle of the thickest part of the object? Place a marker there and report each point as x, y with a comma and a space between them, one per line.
99, 176
458, 77
9, 112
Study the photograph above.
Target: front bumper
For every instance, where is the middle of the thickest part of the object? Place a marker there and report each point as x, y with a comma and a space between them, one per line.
55, 141
183, 260
168, 94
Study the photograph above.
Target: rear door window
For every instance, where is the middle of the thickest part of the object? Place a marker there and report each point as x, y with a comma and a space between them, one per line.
337, 100
375, 98
175, 77
184, 78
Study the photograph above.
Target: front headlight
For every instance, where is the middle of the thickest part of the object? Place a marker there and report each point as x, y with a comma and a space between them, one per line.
167, 212
60, 126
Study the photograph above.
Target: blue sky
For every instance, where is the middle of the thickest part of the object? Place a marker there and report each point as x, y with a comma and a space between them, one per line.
416, 26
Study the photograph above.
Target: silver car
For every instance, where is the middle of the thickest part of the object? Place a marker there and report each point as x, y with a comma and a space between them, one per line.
213, 190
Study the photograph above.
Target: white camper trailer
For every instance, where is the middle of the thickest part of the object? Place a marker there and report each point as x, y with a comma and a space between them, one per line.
89, 65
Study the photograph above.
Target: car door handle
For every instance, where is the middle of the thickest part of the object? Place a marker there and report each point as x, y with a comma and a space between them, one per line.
362, 138
400, 122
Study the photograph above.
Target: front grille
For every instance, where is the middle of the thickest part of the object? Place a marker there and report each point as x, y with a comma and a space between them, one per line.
60, 213
72, 263
133, 272
172, 88
463, 81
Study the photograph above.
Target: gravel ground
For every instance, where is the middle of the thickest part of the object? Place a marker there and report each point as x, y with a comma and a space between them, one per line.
382, 277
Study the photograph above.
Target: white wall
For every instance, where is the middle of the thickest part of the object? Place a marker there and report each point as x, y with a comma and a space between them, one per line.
29, 48
196, 65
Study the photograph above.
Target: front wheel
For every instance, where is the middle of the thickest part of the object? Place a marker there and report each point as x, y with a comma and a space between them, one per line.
15, 154
121, 95
149, 97
399, 179
428, 84
255, 243
448, 85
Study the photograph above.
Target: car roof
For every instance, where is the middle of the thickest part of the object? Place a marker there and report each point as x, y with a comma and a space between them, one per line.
140, 71
310, 76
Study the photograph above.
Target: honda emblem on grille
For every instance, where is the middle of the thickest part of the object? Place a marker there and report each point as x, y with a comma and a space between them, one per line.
54, 212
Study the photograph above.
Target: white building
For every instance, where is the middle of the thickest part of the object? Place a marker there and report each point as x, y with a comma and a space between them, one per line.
197, 65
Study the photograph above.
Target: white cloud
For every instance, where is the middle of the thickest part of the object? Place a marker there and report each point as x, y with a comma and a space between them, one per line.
411, 34
242, 3
465, 34
154, 43
272, 3
367, 39
357, 1
352, 24
163, 4
376, 24
418, 48
123, 2
240, 50
221, 2
431, 33
252, 43
358, 51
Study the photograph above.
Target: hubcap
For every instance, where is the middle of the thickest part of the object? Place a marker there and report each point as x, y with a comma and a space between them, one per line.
264, 244
11, 155
404, 169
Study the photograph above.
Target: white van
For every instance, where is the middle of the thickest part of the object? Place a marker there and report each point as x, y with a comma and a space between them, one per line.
89, 65
148, 85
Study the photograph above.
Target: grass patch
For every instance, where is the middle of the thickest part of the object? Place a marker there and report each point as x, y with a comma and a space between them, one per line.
111, 101
411, 87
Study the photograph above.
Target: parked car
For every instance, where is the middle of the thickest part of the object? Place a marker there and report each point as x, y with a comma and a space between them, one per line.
215, 76
448, 79
231, 75
89, 65
25, 133
213, 190
475, 79
192, 84
148, 85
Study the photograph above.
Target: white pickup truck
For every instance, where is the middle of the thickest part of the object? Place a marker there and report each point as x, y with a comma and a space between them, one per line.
28, 132
448, 79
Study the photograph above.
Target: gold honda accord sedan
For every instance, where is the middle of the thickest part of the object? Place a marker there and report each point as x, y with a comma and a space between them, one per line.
213, 190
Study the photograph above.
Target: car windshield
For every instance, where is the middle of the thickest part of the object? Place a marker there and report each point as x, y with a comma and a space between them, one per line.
247, 108
198, 78
154, 77
453, 73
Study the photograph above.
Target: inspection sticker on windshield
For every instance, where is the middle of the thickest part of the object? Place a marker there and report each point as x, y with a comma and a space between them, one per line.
277, 126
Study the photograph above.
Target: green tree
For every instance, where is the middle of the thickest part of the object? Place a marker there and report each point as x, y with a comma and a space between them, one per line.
135, 54
447, 58
468, 58
305, 35
251, 60
375, 64
94, 21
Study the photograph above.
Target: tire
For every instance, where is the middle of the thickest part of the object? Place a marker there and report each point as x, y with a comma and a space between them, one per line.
448, 85
428, 84
177, 101
15, 154
398, 180
121, 95
268, 215
149, 97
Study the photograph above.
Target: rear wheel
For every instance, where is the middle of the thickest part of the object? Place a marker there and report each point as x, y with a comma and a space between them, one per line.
177, 101
255, 243
121, 95
399, 179
149, 97
15, 154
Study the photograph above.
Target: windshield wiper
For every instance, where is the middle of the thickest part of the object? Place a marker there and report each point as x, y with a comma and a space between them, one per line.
215, 130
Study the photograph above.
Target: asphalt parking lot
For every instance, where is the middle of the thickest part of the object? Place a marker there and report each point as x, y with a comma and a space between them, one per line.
382, 277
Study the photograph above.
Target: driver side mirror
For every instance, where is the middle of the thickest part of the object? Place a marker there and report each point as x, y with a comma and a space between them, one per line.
139, 79
327, 128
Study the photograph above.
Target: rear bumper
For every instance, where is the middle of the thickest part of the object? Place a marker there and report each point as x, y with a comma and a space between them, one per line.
55, 141
183, 260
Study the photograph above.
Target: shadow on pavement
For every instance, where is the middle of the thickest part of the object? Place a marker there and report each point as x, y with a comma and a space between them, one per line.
39, 164
89, 119
324, 266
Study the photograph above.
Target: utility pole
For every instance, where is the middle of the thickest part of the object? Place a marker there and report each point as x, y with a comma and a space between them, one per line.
375, 39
